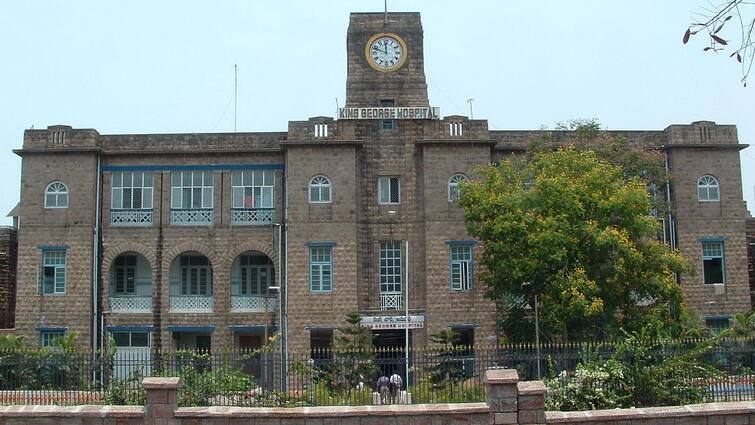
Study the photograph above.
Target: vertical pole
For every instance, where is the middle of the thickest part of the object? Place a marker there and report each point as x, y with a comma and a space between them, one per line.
471, 111
537, 338
235, 93
385, 19
406, 322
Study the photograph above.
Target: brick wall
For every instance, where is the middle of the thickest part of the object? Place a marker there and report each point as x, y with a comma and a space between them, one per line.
751, 257
8, 260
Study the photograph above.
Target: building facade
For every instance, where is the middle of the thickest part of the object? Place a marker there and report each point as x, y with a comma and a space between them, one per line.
8, 260
220, 240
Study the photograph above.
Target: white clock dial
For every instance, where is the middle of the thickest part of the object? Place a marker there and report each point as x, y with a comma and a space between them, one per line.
386, 52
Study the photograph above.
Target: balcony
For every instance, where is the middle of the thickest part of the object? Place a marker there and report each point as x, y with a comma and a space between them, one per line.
190, 304
253, 304
391, 301
131, 218
252, 216
130, 304
191, 217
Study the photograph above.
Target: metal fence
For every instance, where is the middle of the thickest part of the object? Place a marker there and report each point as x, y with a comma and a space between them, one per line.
325, 377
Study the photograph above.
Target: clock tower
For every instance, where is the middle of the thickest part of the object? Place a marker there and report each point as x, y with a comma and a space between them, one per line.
385, 60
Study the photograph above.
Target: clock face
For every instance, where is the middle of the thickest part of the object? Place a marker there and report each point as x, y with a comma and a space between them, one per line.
386, 52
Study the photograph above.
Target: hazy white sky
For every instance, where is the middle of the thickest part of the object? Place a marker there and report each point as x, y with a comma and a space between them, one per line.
167, 66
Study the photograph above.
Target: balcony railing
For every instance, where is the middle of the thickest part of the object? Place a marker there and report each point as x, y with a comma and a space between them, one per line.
393, 301
252, 215
131, 218
130, 304
253, 304
191, 217
190, 304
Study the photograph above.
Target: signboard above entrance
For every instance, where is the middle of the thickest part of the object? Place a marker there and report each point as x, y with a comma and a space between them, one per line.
390, 113
393, 322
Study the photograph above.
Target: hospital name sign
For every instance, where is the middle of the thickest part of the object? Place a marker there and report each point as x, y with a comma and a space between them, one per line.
390, 113
393, 322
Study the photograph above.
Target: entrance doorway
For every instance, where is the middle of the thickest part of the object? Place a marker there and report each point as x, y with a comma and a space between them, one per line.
251, 363
390, 351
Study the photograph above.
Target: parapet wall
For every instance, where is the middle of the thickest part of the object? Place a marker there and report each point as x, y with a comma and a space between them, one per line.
508, 402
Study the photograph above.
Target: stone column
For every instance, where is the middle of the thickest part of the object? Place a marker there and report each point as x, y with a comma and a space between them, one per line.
501, 395
161, 399
531, 403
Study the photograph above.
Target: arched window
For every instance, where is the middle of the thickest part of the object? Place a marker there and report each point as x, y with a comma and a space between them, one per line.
319, 190
453, 186
707, 189
56, 195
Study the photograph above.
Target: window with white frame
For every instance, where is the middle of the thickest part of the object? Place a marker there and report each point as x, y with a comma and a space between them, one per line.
253, 189
461, 267
320, 269
389, 190
196, 275
191, 190
713, 263
131, 191
53, 273
124, 274
453, 186
390, 267
707, 189
50, 339
319, 190
56, 195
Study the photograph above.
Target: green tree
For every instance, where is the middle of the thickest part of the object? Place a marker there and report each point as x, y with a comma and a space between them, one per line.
449, 367
577, 232
743, 325
354, 352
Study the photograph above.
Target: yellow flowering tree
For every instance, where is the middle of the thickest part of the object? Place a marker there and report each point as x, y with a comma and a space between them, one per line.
575, 231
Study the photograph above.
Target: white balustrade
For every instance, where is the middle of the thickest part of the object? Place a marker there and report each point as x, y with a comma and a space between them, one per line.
191, 217
253, 304
393, 301
252, 215
130, 304
131, 217
190, 304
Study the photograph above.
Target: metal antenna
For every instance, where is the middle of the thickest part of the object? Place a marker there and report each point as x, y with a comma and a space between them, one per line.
235, 93
338, 107
385, 20
471, 113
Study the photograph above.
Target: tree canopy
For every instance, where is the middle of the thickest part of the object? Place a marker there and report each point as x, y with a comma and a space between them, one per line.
575, 231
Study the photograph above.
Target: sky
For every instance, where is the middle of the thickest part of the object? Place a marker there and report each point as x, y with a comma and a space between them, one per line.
168, 66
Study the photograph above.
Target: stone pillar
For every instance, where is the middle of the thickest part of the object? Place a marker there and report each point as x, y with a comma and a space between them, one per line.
531, 403
501, 395
161, 400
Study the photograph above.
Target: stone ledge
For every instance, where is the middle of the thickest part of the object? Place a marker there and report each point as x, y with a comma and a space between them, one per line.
86, 411
531, 388
161, 383
501, 376
708, 409
332, 411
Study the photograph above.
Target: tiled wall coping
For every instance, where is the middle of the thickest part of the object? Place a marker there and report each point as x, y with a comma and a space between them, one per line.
708, 409
86, 411
333, 411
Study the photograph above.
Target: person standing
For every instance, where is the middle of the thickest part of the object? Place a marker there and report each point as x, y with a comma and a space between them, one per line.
383, 388
395, 386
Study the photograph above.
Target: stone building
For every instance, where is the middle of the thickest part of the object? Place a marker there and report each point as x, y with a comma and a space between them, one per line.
8, 256
208, 240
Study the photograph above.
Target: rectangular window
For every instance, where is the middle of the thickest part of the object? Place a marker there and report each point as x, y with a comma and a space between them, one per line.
388, 190
390, 267
50, 338
124, 274
191, 190
196, 275
461, 267
321, 344
717, 324
320, 269
53, 273
131, 339
131, 191
257, 275
387, 124
253, 189
713, 263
